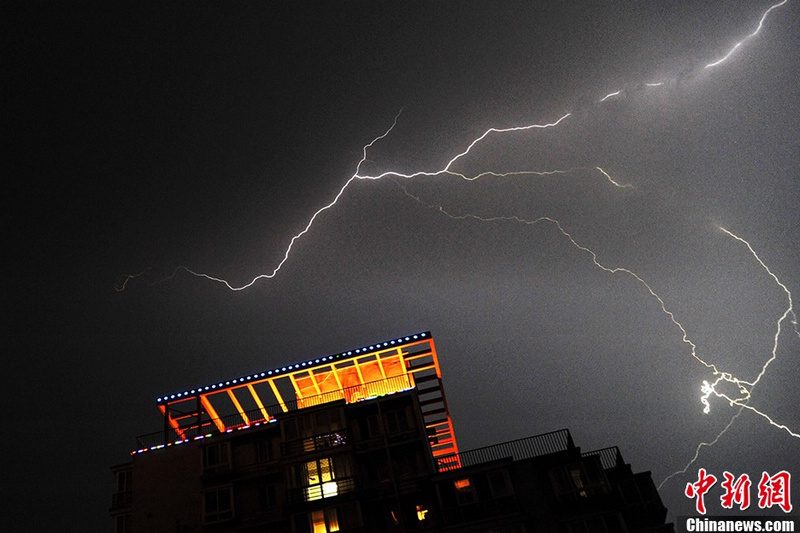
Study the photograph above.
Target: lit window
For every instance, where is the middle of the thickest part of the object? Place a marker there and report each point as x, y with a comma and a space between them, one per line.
320, 479
462, 484
465, 491
422, 513
325, 520
579, 480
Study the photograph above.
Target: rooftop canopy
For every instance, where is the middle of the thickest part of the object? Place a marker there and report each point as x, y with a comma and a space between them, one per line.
359, 374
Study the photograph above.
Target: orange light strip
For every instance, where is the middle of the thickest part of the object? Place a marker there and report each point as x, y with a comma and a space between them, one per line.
174, 423
260, 405
212, 413
238, 407
278, 396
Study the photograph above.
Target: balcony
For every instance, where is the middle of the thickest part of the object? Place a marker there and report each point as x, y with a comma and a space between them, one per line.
328, 489
322, 442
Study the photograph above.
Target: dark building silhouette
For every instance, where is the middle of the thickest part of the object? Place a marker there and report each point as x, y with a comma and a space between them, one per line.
363, 441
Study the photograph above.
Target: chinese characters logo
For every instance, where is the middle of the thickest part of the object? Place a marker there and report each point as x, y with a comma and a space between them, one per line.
773, 491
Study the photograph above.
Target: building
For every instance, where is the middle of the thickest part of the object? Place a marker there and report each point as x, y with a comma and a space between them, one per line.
363, 441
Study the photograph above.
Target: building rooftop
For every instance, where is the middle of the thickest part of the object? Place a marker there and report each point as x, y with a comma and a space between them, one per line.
359, 374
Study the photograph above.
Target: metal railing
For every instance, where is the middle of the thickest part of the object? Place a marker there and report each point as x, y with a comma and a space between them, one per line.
609, 457
324, 441
320, 491
535, 446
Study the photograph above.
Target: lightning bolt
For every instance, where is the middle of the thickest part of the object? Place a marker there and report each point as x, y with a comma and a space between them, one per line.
746, 387
747, 38
123, 283
709, 389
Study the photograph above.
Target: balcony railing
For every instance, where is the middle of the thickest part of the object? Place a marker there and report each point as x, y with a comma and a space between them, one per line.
327, 489
316, 443
538, 445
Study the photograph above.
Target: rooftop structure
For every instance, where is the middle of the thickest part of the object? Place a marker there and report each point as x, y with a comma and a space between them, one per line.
386, 367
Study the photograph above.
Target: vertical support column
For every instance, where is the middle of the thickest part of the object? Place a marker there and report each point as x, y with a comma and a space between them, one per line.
165, 410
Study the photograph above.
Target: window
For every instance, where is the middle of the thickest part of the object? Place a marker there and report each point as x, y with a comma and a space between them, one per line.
325, 520
500, 484
319, 477
579, 480
263, 451
309, 424
465, 491
372, 426
124, 481
422, 513
324, 478
218, 504
268, 496
396, 421
216, 457
328, 520
123, 486
406, 464
122, 523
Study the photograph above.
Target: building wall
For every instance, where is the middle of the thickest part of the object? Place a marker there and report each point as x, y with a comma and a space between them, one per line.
367, 466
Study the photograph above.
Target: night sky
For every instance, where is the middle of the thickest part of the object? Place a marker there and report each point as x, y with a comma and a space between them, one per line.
207, 136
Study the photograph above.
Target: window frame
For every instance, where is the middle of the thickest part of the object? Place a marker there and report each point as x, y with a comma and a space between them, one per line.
218, 514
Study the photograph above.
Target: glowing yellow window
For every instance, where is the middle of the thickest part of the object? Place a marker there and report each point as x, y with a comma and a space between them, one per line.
422, 512
325, 521
320, 480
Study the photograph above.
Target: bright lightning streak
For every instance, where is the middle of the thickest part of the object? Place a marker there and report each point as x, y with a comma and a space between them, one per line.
303, 232
740, 43
700, 447
609, 178
594, 258
746, 387
709, 389
610, 95
120, 286
501, 130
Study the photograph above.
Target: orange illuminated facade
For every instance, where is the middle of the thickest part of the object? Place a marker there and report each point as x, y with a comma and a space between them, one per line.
371, 371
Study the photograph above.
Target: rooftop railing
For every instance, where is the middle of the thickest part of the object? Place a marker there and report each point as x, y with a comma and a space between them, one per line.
255, 417
526, 448
609, 457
